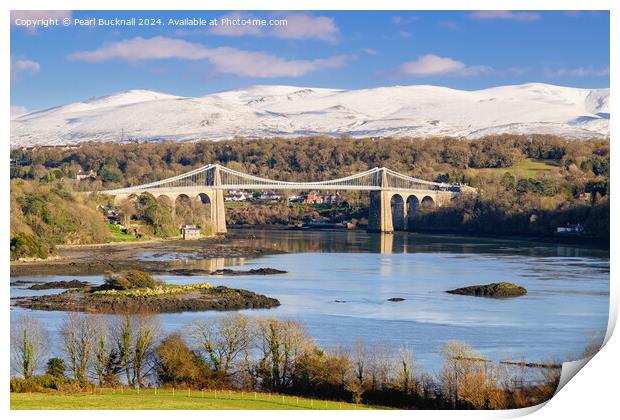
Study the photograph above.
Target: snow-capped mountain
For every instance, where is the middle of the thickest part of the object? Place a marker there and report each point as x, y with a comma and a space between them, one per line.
267, 111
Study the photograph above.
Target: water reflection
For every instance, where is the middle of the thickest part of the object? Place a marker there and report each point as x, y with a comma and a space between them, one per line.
354, 241
209, 264
387, 243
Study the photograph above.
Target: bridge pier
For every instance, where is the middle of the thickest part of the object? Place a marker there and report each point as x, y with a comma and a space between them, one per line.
383, 218
380, 212
218, 212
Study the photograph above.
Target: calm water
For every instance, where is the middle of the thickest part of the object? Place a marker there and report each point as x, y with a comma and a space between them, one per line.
566, 305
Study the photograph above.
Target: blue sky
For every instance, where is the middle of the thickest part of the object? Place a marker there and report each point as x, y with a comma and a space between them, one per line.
348, 49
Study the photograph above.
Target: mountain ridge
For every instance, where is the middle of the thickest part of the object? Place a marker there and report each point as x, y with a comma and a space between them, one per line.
289, 111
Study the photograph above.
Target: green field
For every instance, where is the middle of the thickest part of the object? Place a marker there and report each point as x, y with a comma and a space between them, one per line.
151, 399
527, 168
119, 236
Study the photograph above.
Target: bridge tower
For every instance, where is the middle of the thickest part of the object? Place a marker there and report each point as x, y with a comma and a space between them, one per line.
380, 210
218, 211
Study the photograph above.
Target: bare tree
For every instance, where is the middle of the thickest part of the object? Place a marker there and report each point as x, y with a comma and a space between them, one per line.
378, 363
224, 342
359, 356
449, 375
359, 359
78, 332
122, 335
467, 377
28, 341
145, 330
282, 344
406, 369
105, 360
133, 340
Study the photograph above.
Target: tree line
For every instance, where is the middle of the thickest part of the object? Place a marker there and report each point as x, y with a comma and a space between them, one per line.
264, 354
305, 158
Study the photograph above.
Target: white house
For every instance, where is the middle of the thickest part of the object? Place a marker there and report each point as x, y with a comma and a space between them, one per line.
235, 195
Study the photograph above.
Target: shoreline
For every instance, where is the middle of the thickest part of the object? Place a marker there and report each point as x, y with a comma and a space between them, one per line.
120, 244
96, 259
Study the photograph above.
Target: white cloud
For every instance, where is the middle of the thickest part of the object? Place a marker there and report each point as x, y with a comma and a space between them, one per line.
258, 64
138, 48
21, 67
303, 26
226, 60
518, 71
432, 65
18, 110
447, 24
404, 20
298, 26
504, 15
573, 13
587, 71
371, 51
582, 13
36, 15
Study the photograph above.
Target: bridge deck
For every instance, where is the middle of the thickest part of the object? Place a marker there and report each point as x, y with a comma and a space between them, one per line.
300, 187
221, 178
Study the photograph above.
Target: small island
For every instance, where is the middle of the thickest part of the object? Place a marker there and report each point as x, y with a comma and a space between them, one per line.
493, 290
137, 291
263, 271
63, 284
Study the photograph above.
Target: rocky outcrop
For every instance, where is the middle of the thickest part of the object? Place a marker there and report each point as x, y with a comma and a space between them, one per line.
494, 290
70, 284
264, 271
223, 272
218, 298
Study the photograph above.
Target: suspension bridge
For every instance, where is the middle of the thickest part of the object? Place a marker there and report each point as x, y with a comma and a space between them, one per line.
394, 197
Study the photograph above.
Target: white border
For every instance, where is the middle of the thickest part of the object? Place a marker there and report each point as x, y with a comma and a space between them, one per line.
593, 394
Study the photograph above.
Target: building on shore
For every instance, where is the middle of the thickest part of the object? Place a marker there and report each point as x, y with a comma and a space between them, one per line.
314, 197
235, 195
190, 232
270, 196
295, 198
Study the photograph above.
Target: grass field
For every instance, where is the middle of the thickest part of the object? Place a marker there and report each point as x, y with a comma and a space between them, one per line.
151, 399
119, 236
527, 168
